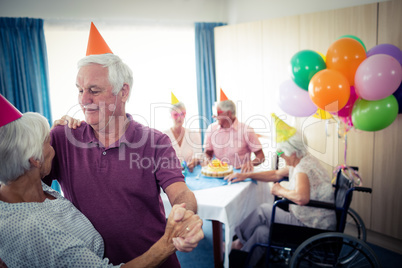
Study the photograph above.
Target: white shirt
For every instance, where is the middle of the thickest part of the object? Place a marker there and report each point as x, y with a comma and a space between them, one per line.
190, 146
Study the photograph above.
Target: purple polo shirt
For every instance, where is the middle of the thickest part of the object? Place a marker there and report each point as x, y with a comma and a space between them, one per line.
118, 188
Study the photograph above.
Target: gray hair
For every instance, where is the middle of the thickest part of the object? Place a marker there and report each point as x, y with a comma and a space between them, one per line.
119, 72
227, 105
19, 141
178, 106
294, 144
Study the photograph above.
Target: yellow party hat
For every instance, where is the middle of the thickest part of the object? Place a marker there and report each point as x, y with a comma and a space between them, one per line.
322, 114
174, 99
283, 130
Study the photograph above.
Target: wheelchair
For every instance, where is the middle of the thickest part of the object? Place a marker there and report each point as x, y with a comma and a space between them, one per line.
299, 246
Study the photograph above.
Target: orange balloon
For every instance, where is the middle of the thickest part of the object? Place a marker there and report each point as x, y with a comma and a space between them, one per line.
329, 90
345, 55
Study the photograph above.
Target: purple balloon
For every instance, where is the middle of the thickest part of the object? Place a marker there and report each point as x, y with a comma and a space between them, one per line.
294, 100
388, 49
378, 77
398, 97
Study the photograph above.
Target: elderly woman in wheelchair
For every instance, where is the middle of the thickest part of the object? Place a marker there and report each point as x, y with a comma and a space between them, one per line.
307, 180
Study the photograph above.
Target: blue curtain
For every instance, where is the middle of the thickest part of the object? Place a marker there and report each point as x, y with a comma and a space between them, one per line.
23, 65
205, 67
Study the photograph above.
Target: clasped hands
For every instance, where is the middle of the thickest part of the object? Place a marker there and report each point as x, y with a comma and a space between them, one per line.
183, 228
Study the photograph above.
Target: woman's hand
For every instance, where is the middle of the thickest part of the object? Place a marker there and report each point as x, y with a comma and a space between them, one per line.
67, 120
235, 177
247, 167
183, 229
192, 164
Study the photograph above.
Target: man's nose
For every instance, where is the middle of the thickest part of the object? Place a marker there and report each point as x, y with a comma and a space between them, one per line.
85, 98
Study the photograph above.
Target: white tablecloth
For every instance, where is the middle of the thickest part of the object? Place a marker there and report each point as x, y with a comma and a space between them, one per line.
228, 204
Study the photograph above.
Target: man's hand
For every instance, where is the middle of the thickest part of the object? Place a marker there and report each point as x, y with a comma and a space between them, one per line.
247, 167
184, 228
67, 120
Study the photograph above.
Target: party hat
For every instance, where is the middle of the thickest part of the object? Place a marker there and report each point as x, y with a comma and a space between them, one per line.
322, 114
223, 96
96, 43
8, 112
283, 130
174, 99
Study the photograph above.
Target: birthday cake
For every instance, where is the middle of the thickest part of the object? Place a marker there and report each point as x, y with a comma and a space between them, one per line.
217, 169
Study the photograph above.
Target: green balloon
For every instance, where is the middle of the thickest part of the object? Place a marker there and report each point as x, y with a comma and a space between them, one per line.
374, 115
354, 37
305, 64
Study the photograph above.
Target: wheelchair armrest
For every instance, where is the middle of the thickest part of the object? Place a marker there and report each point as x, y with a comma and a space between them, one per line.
311, 203
362, 189
284, 179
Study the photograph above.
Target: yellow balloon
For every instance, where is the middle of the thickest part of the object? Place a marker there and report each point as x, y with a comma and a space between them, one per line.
321, 114
323, 56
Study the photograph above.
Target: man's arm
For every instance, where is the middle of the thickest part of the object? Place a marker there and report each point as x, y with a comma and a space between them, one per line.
178, 193
259, 158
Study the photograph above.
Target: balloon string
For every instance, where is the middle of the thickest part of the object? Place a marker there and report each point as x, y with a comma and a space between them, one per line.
346, 147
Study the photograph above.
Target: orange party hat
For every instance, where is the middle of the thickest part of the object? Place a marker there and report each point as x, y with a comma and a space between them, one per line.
223, 96
283, 130
174, 99
8, 113
96, 43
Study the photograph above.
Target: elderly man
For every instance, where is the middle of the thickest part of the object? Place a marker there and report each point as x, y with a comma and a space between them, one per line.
112, 168
232, 141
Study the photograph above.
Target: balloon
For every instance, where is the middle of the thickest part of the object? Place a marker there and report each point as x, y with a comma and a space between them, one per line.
345, 55
329, 90
374, 115
378, 77
346, 111
354, 37
388, 49
304, 65
295, 101
398, 96
322, 56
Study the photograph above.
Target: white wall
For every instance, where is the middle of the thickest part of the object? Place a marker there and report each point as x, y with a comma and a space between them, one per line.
240, 11
174, 11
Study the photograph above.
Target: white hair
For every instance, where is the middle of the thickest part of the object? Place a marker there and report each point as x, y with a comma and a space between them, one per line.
294, 144
19, 141
119, 72
178, 106
227, 105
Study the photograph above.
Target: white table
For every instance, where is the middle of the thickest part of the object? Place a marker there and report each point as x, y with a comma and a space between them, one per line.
229, 205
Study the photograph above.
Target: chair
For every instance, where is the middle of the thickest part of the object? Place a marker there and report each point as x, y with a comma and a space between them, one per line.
311, 247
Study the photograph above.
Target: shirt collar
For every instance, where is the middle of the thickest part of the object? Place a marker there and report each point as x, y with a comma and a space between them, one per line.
89, 134
234, 125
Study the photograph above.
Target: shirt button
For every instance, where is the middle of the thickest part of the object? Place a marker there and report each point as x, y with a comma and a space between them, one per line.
104, 153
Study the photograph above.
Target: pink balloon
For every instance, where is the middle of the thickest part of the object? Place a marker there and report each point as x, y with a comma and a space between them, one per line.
346, 111
295, 101
377, 77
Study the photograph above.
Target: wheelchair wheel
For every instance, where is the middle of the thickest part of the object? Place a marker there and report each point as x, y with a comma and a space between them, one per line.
334, 250
355, 226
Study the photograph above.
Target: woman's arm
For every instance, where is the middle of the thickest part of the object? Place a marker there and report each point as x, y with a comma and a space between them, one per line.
183, 230
265, 176
300, 195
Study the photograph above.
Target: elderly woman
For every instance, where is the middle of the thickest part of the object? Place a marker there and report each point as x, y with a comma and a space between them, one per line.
40, 228
307, 180
186, 142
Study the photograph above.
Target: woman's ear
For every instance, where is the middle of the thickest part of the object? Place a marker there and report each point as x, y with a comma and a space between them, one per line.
34, 162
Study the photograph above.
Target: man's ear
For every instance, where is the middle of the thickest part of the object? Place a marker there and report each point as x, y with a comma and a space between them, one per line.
34, 162
125, 91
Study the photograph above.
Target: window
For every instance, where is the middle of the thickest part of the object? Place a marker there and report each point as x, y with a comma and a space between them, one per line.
161, 57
